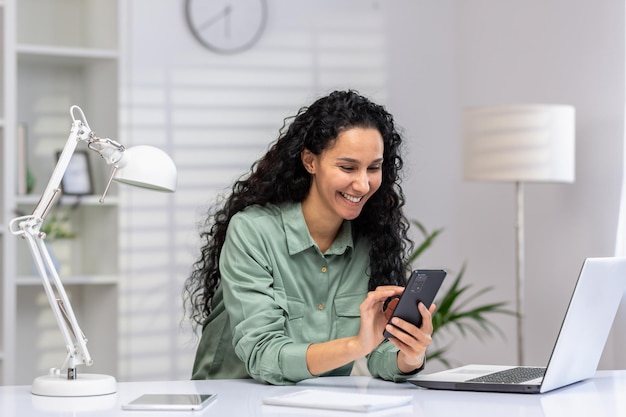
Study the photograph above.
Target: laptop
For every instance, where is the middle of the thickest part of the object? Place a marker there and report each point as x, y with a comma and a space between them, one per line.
578, 348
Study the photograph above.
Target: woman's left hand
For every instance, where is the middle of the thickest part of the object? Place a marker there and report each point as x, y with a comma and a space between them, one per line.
413, 341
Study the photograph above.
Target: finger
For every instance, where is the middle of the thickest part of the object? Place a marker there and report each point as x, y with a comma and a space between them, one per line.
391, 307
381, 294
408, 337
386, 291
427, 320
389, 287
403, 329
375, 302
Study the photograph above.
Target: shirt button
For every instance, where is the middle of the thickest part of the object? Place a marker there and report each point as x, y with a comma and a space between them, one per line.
324, 269
320, 306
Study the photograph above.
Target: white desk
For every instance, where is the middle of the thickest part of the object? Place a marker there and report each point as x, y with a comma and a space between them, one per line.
603, 395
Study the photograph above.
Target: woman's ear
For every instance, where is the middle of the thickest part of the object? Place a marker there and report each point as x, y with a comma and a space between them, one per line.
308, 161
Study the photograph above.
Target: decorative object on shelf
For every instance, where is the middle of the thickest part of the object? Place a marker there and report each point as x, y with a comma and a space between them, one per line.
61, 243
58, 227
22, 158
77, 179
25, 178
30, 181
142, 166
456, 306
226, 26
520, 143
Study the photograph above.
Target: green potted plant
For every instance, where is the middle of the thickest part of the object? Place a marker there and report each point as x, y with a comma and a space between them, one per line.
58, 227
457, 307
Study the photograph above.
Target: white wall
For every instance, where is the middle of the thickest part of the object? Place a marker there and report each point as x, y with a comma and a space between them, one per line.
426, 61
492, 52
562, 52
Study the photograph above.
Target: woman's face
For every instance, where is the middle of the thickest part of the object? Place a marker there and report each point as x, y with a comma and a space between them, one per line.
345, 175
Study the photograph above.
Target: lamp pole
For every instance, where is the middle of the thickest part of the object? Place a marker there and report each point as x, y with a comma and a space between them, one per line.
520, 272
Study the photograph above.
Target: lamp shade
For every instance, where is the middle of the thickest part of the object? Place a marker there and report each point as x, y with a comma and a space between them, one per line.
147, 167
520, 142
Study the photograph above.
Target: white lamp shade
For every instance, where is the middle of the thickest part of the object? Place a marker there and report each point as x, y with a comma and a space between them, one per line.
523, 142
147, 167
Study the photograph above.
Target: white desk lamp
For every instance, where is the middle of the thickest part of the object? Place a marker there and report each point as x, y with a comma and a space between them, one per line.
520, 143
141, 166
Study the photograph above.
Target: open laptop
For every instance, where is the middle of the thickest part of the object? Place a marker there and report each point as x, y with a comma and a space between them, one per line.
578, 348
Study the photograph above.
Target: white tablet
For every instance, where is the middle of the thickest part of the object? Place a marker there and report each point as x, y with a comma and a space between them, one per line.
170, 402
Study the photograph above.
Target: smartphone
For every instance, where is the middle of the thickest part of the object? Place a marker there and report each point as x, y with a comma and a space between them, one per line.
422, 287
170, 402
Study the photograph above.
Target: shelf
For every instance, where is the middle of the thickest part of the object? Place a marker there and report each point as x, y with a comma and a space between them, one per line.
41, 55
88, 200
32, 280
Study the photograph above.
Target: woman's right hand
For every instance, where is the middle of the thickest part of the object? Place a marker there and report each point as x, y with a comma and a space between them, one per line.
325, 356
374, 317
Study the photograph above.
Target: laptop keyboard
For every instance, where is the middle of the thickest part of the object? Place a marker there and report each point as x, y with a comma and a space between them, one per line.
511, 376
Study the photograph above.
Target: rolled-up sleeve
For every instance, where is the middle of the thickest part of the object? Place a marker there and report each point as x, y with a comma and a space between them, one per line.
258, 308
383, 363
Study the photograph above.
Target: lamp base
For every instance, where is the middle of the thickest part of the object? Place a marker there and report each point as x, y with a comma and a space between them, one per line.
56, 385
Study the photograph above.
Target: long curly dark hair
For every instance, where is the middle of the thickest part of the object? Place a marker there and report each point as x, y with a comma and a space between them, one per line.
280, 177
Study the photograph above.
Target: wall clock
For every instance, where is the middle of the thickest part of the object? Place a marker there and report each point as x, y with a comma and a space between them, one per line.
226, 26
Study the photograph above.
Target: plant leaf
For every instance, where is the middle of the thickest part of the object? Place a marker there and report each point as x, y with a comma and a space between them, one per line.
426, 243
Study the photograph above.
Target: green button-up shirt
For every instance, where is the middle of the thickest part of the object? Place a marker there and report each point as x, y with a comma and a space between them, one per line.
279, 293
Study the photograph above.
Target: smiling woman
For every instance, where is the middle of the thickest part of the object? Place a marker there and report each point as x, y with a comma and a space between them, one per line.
290, 284
343, 178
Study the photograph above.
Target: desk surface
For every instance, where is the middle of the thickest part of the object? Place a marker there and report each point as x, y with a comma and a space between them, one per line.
603, 395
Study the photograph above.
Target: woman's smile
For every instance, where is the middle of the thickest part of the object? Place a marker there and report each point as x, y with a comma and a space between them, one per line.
352, 199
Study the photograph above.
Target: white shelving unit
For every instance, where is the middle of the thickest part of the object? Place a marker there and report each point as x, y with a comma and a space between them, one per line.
54, 54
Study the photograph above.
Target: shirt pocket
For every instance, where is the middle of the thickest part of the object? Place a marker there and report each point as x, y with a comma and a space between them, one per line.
295, 318
348, 314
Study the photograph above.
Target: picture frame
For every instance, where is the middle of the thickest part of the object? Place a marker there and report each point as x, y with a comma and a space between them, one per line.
77, 179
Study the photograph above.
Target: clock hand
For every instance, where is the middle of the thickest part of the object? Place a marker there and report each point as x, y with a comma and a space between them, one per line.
224, 14
227, 22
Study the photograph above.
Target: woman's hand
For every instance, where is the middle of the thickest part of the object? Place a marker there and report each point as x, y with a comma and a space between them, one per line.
374, 318
325, 356
411, 340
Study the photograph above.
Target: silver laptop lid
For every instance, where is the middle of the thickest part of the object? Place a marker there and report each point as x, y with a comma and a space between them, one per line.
585, 329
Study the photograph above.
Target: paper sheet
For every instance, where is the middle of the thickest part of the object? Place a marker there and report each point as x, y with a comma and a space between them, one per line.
332, 400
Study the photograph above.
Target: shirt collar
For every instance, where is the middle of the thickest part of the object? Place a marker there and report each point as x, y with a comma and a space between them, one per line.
299, 238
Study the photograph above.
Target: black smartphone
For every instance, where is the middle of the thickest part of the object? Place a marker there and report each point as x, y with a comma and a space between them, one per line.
422, 287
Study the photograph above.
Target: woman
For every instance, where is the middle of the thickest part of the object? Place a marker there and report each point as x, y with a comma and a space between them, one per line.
301, 259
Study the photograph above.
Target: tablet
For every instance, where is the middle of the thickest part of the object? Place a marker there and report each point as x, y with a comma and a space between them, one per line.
170, 402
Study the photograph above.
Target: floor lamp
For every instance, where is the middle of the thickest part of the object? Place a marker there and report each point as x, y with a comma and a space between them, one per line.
519, 143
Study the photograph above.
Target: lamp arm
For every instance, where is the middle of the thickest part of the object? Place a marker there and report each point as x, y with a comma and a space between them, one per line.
112, 153
74, 338
28, 227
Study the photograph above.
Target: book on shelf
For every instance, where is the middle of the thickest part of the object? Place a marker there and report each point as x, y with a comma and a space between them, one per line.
22, 159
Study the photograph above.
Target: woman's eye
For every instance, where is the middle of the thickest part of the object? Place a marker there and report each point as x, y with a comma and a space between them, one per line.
375, 168
347, 168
